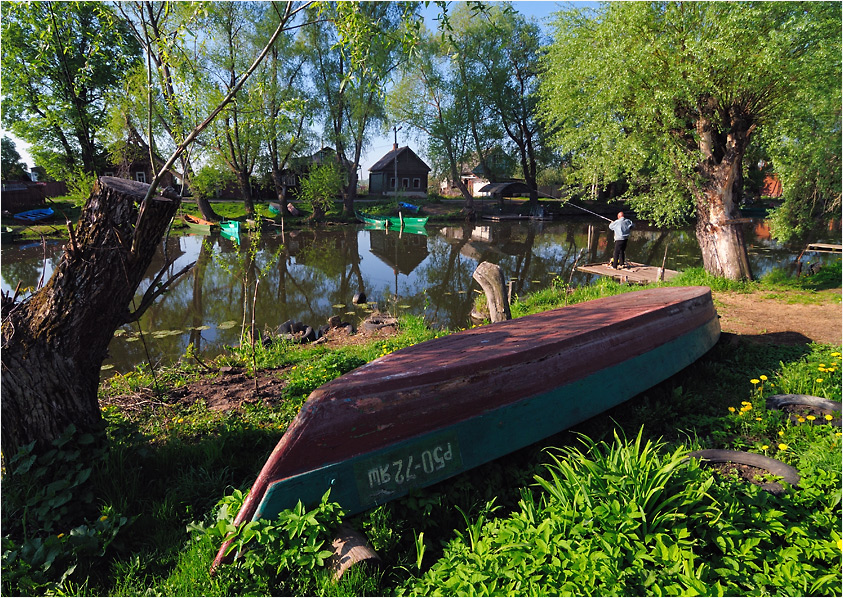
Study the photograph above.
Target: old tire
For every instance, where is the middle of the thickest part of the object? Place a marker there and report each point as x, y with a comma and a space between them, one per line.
776, 402
777, 468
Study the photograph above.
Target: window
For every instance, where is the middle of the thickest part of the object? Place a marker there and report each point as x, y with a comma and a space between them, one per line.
405, 183
140, 176
392, 182
416, 183
108, 173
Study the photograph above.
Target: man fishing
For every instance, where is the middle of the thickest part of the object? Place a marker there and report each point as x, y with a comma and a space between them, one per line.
621, 228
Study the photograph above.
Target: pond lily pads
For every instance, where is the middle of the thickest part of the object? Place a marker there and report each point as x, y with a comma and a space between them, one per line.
227, 325
338, 306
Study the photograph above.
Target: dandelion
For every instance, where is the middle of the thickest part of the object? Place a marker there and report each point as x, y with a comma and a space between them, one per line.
755, 380
810, 418
104, 517
181, 419
819, 379
828, 418
758, 419
763, 377
822, 365
60, 536
835, 354
731, 409
745, 403
800, 419
782, 447
839, 544
764, 447
781, 432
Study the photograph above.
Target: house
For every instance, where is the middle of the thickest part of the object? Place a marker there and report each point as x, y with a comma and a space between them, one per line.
499, 167
300, 167
132, 162
411, 170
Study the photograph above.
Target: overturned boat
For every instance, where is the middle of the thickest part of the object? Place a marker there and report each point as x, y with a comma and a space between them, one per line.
430, 411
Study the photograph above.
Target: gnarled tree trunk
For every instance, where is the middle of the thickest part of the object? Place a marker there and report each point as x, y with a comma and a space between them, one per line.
54, 343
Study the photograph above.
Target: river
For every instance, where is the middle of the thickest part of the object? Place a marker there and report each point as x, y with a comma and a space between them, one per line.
310, 275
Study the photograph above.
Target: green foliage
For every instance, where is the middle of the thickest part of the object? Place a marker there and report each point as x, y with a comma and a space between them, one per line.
41, 494
11, 165
60, 62
320, 188
297, 540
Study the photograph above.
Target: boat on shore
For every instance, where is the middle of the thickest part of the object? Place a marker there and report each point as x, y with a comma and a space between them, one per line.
394, 222
34, 215
433, 410
200, 226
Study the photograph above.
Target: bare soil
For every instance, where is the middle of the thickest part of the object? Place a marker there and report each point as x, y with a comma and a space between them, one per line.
786, 318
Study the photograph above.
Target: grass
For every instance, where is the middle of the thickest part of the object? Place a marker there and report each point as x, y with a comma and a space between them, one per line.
534, 522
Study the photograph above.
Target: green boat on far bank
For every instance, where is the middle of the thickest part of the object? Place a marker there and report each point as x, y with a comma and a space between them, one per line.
394, 222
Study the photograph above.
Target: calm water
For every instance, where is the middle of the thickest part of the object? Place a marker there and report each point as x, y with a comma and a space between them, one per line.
311, 275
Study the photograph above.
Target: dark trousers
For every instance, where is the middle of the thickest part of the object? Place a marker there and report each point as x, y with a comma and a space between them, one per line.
619, 257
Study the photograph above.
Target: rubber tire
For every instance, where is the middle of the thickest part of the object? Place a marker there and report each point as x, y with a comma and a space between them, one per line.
777, 468
776, 402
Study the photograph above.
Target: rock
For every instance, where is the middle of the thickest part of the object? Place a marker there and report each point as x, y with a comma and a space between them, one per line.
359, 298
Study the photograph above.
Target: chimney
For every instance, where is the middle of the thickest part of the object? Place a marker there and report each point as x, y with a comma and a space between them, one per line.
394, 147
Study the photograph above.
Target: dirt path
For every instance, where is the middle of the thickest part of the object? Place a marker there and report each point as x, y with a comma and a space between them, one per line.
792, 317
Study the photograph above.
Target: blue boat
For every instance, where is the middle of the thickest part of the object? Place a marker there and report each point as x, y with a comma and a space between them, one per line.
230, 229
34, 215
409, 207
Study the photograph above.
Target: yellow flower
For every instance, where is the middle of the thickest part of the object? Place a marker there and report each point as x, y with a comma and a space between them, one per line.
104, 517
755, 380
731, 409
763, 377
829, 418
60, 536
839, 544
781, 432
810, 418
822, 369
822, 365
744, 403
181, 419
819, 379
800, 419
782, 447
764, 447
758, 419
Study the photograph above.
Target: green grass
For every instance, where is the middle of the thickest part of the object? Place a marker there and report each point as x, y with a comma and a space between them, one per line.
567, 520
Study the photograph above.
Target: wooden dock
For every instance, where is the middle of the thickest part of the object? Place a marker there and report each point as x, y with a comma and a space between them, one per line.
824, 248
635, 274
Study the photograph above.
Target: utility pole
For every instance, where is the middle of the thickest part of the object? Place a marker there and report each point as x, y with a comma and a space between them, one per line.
395, 149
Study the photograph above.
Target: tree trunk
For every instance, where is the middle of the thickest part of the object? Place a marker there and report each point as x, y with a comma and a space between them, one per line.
54, 343
246, 190
721, 239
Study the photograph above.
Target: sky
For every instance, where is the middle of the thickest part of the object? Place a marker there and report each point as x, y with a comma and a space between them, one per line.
381, 144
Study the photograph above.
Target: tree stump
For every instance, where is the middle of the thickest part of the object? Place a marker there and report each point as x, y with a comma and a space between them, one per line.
490, 278
55, 341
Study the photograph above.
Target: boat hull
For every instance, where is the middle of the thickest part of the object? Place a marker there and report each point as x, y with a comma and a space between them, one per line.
394, 222
430, 411
198, 225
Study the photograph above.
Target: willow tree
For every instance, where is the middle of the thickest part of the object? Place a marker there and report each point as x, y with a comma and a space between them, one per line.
670, 96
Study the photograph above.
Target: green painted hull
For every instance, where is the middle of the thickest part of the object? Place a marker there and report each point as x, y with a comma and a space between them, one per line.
393, 222
358, 483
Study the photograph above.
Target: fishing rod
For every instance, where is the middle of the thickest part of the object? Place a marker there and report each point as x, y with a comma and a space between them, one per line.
581, 208
587, 210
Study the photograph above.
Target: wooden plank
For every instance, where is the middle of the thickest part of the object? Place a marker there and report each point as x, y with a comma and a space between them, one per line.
824, 248
636, 273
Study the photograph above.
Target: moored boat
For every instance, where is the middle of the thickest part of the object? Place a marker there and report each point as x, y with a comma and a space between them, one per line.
392, 221
430, 411
34, 215
230, 229
198, 225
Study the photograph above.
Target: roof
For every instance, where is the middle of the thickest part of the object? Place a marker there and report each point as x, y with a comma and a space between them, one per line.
389, 159
505, 189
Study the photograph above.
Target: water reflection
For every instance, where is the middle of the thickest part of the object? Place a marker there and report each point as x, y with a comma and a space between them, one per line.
314, 274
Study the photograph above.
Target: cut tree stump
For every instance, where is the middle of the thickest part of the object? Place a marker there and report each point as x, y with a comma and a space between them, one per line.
350, 547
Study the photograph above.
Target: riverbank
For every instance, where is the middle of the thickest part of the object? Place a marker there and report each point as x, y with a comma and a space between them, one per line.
176, 452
